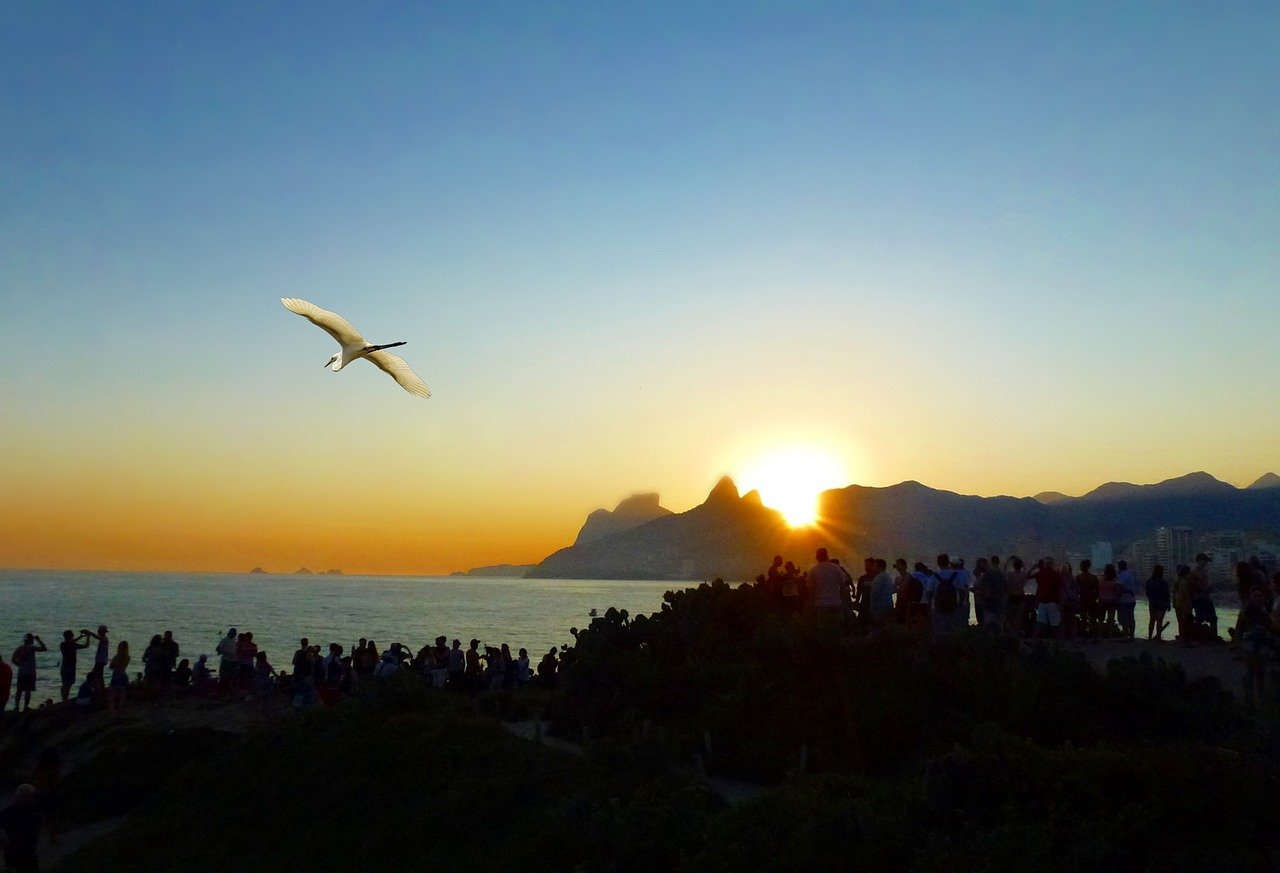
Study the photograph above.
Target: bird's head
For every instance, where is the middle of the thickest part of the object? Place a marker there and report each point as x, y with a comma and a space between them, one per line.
335, 363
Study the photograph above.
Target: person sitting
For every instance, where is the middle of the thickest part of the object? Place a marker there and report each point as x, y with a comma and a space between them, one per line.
201, 675
547, 669
182, 674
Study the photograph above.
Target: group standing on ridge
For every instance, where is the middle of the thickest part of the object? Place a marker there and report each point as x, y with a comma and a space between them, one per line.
1048, 600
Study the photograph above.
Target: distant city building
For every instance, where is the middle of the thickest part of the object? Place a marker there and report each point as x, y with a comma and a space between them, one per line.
1101, 554
1141, 557
1173, 546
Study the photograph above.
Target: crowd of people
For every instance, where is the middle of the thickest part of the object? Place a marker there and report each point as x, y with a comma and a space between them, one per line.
238, 667
1049, 599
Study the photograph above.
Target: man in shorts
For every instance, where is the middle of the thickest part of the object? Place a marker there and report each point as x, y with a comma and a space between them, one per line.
24, 660
1048, 598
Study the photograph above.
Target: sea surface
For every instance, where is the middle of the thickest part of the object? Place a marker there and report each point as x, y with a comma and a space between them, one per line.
279, 610
535, 614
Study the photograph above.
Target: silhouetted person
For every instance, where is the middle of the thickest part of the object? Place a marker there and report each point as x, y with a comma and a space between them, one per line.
547, 669
69, 648
100, 657
24, 661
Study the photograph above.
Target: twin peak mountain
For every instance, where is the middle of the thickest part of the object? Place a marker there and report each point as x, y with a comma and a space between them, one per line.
735, 536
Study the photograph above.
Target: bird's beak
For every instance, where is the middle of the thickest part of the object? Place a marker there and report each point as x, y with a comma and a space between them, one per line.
325, 365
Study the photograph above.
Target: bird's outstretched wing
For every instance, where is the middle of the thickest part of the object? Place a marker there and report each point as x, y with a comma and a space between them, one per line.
395, 366
334, 325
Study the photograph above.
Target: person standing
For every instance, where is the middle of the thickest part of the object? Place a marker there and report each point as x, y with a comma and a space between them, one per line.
473, 667
1090, 609
1158, 601
228, 665
457, 666
1108, 598
1127, 602
168, 656
992, 592
826, 580
1182, 606
69, 648
1202, 608
119, 667
100, 657
943, 593
881, 599
1048, 598
24, 660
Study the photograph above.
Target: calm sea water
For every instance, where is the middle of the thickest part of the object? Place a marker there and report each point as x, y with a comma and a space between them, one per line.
198, 608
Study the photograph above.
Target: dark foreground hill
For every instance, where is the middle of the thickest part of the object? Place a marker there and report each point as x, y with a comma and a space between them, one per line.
735, 536
890, 755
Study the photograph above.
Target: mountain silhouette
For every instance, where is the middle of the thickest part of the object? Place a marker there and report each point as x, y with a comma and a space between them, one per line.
631, 512
1266, 480
735, 536
1050, 497
726, 535
1192, 483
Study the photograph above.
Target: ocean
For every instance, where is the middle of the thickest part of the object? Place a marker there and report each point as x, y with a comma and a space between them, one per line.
279, 610
535, 614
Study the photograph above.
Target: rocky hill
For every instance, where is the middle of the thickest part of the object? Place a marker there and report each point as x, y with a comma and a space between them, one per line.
636, 510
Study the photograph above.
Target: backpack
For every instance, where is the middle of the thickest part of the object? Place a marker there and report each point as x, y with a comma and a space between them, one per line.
915, 589
945, 599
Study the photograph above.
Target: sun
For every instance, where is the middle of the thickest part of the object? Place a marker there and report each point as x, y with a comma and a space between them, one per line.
790, 480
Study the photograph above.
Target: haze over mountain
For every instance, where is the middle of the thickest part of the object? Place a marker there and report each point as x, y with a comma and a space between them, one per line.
1051, 497
1266, 480
735, 536
631, 512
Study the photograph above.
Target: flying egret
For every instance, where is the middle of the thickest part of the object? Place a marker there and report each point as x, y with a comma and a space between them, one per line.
354, 346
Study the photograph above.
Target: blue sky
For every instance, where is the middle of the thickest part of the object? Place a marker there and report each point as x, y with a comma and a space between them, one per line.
629, 243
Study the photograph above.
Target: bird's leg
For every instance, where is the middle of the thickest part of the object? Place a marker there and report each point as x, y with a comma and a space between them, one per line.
386, 346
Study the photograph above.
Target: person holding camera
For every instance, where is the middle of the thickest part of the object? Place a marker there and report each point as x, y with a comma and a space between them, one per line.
24, 659
69, 647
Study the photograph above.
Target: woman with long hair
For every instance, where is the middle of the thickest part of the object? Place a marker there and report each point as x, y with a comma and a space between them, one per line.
1159, 598
1108, 598
119, 667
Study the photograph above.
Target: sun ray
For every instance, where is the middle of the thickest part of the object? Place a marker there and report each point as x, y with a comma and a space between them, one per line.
790, 480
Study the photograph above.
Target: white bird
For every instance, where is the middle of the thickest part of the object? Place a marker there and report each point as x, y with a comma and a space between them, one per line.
355, 346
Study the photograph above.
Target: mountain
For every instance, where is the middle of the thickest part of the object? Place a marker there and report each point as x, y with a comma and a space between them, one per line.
734, 536
1050, 497
636, 510
1192, 483
727, 535
502, 571
1266, 480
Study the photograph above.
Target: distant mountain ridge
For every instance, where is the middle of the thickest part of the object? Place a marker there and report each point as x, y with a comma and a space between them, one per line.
734, 536
632, 512
1266, 480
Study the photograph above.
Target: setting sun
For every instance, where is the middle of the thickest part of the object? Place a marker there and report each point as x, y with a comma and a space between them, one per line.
789, 480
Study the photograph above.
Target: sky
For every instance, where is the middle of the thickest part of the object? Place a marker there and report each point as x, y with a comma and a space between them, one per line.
999, 248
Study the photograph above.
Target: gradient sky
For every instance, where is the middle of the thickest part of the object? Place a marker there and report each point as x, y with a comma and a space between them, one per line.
998, 248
